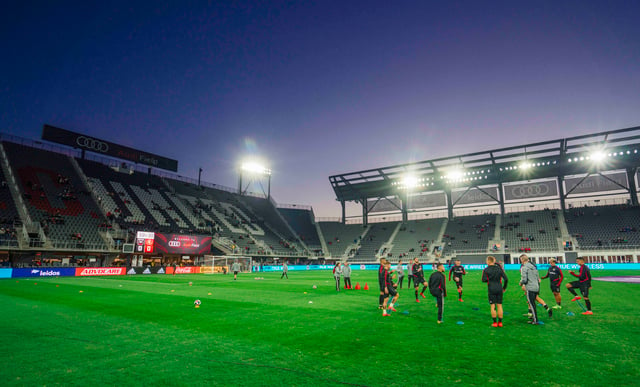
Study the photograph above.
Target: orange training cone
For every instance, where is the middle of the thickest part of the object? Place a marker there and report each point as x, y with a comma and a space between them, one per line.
357, 285
366, 287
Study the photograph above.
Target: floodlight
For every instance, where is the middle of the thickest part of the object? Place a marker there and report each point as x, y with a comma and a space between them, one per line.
455, 174
409, 181
597, 156
525, 165
254, 167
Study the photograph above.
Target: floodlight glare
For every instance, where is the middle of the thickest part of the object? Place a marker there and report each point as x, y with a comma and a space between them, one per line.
409, 181
597, 156
455, 174
525, 166
253, 167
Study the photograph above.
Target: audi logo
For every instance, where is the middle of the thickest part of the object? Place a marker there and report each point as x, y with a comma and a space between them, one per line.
92, 144
174, 243
531, 190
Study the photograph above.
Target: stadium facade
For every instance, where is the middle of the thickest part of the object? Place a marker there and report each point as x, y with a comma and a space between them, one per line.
86, 202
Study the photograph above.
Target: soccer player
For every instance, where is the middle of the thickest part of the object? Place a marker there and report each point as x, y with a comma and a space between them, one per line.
384, 293
583, 283
390, 290
409, 274
400, 271
285, 270
438, 289
236, 268
497, 281
458, 271
555, 279
418, 278
336, 275
530, 282
346, 273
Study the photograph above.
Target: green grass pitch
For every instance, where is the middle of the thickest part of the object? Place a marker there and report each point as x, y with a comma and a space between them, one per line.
145, 330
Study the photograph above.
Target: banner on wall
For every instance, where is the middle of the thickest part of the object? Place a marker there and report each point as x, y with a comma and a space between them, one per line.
98, 271
44, 272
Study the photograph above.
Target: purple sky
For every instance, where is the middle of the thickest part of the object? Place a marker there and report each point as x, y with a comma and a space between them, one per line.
318, 88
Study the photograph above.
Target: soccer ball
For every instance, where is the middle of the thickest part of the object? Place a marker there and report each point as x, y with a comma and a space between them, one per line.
197, 303
190, 283
315, 287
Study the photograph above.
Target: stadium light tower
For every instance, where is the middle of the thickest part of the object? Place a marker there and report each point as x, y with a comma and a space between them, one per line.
254, 171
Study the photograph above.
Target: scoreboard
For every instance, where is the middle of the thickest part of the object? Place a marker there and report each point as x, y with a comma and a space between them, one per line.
144, 242
148, 242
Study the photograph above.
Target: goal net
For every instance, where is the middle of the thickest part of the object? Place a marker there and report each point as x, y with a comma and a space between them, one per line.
214, 264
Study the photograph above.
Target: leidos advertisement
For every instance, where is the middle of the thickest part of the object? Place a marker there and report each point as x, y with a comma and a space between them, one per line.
44, 272
182, 244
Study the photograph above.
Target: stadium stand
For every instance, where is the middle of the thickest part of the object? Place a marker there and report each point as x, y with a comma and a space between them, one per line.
414, 239
611, 227
370, 244
9, 217
470, 233
301, 220
277, 233
136, 200
57, 198
340, 236
530, 231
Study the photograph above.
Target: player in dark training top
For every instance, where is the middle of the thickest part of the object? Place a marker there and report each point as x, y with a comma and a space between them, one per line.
555, 280
418, 278
583, 283
458, 271
382, 282
438, 289
496, 281
391, 295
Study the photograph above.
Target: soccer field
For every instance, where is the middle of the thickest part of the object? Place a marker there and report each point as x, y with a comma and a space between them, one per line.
145, 330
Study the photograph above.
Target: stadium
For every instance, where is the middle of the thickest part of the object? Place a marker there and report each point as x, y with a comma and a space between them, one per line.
320, 193
151, 242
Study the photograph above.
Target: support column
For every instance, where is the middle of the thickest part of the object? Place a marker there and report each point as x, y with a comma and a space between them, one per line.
405, 206
449, 203
344, 212
561, 191
501, 198
365, 212
633, 192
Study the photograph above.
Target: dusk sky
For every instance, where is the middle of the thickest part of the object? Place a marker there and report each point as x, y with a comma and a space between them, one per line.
318, 88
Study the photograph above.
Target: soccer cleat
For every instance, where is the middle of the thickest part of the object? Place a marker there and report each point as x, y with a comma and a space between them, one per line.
576, 298
391, 308
588, 312
439, 322
533, 323
385, 314
495, 325
500, 324
528, 315
417, 300
557, 307
550, 312
460, 299
423, 296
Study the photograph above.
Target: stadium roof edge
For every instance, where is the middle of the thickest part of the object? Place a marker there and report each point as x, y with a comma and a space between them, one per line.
375, 182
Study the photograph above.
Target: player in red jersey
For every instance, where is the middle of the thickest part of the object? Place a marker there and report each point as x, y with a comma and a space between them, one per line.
583, 283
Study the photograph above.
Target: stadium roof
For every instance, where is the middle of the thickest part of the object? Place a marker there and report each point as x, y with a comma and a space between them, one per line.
591, 153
